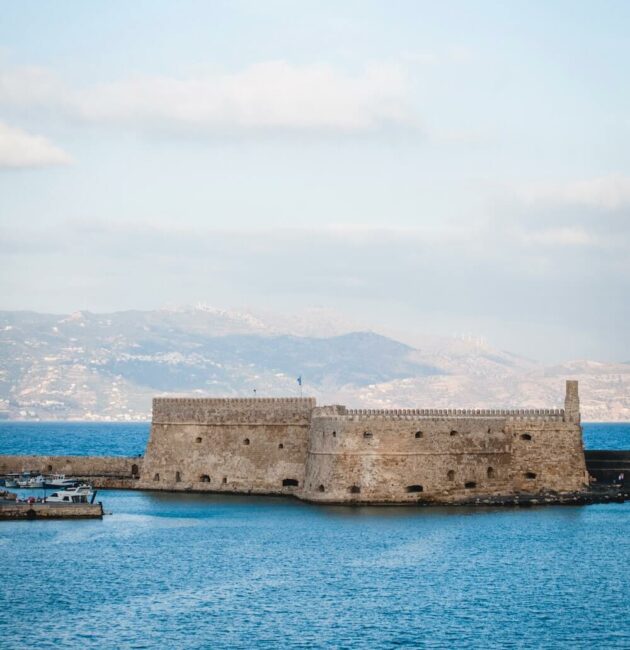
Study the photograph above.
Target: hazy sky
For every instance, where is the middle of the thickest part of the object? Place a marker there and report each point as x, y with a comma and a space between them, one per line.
424, 167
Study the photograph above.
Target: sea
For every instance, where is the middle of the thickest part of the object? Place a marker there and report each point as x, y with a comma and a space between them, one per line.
220, 571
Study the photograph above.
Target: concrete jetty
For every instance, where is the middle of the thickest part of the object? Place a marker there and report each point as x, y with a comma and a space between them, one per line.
12, 510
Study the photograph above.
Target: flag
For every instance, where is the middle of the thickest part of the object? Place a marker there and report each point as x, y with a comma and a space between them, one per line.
299, 380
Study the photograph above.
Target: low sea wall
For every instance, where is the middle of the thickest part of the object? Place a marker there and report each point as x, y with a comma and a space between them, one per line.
607, 466
102, 471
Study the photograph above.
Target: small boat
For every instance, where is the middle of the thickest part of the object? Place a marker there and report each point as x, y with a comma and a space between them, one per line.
60, 481
77, 494
32, 482
28, 480
11, 481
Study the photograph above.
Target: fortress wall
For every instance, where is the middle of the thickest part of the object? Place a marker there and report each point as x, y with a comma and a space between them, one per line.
390, 458
385, 457
85, 466
232, 445
547, 456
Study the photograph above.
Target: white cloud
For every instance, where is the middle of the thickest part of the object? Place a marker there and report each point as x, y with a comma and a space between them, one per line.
607, 192
26, 86
270, 95
569, 236
21, 149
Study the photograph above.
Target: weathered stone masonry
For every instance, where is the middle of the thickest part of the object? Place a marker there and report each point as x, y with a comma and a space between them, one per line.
234, 445
332, 454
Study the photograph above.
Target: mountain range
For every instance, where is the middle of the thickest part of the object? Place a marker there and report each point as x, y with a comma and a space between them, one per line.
91, 366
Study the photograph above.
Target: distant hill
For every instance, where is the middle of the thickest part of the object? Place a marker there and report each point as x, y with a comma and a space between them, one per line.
109, 366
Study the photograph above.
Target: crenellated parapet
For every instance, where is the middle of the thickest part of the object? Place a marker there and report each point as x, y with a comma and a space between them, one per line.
458, 413
207, 410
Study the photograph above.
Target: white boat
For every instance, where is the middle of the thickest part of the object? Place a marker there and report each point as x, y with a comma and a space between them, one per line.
78, 494
60, 481
11, 482
33, 482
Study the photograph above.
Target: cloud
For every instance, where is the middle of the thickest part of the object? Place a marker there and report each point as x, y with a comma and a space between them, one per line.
559, 237
273, 95
579, 214
606, 192
20, 149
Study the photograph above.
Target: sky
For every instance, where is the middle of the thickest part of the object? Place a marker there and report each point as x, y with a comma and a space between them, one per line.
421, 167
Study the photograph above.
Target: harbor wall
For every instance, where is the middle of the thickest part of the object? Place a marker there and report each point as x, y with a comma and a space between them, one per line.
606, 466
92, 467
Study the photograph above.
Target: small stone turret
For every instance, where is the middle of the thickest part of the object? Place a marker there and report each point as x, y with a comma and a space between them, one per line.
572, 402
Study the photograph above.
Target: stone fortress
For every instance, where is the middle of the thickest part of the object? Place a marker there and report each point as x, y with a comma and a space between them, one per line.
331, 454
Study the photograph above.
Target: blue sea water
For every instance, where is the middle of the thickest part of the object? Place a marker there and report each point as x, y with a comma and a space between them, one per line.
221, 571
208, 571
130, 439
74, 438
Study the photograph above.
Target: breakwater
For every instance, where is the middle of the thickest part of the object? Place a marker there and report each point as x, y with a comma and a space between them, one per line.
606, 466
100, 471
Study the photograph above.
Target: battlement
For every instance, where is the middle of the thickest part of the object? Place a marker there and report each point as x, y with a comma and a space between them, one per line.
455, 413
210, 410
309, 402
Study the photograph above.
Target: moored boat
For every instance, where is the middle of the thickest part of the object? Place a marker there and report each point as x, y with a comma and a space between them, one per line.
78, 494
60, 481
32, 482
